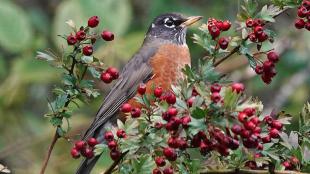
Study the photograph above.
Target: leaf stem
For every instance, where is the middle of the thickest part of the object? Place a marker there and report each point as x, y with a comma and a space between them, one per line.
49, 152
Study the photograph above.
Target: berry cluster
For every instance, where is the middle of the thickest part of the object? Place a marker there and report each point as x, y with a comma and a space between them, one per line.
304, 16
115, 153
84, 148
215, 28
257, 33
109, 75
291, 163
267, 69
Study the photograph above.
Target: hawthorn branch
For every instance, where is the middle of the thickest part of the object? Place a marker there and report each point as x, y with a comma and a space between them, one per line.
56, 135
236, 49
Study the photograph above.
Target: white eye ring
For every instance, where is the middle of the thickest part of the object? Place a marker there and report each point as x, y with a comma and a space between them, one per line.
168, 26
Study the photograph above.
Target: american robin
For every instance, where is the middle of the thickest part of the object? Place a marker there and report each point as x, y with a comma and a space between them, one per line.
159, 61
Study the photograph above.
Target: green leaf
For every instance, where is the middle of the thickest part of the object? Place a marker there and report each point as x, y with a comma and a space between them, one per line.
100, 148
16, 31
230, 99
196, 125
87, 59
69, 80
94, 72
56, 121
143, 164
198, 113
86, 84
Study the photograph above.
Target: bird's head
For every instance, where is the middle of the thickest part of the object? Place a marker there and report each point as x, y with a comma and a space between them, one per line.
171, 27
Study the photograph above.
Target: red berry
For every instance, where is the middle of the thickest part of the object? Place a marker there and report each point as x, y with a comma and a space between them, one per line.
274, 133
251, 164
306, 4
121, 133
80, 145
258, 22
215, 97
249, 125
268, 65
106, 77
88, 50
249, 22
88, 153
173, 142
185, 121
141, 89
258, 30
242, 117
219, 24
171, 98
287, 165
245, 133
307, 26
302, 12
107, 35
276, 124
266, 139
112, 145
252, 37
259, 69
170, 154
250, 142
156, 171
268, 119
126, 107
160, 161
190, 101
75, 153
158, 125
172, 112
226, 26
294, 160
214, 31
223, 42
93, 21
262, 37
80, 35
299, 23
71, 40
108, 136
257, 130
249, 111
168, 170
135, 112
237, 87
236, 129
115, 154
158, 91
182, 144
260, 147
215, 87
114, 72
234, 144
194, 92
255, 120
92, 142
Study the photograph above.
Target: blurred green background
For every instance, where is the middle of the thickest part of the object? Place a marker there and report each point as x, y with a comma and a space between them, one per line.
27, 26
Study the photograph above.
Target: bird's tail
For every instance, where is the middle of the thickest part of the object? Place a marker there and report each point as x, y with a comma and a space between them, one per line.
87, 165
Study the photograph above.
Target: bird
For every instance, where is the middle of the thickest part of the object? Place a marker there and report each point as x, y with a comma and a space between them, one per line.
160, 60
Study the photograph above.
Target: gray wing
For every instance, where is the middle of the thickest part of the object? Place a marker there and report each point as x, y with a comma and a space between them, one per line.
136, 71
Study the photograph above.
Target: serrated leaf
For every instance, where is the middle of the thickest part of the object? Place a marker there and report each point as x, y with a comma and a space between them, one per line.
144, 164
56, 121
100, 148
94, 72
198, 113
230, 99
87, 59
69, 80
86, 83
196, 125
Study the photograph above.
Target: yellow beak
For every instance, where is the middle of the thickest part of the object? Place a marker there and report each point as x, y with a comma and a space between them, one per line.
191, 20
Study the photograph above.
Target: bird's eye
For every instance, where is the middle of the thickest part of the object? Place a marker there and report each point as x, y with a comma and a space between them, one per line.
169, 23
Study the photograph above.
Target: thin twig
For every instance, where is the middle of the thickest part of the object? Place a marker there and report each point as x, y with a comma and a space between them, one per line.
49, 152
115, 163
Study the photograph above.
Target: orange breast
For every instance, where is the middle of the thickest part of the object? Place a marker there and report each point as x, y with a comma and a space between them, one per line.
167, 66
